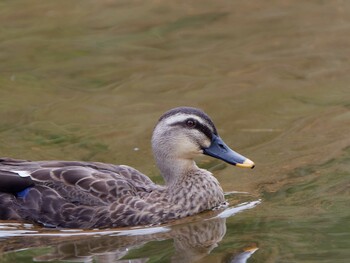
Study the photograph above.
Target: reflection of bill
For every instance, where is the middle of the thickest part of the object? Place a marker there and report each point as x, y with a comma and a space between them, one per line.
245, 255
192, 240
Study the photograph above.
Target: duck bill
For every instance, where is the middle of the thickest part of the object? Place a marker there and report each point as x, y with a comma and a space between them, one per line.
218, 149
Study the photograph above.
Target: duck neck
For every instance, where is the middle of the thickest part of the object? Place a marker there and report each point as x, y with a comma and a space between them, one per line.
174, 170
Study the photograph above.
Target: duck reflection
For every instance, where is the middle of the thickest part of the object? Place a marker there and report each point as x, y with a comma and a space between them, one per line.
192, 241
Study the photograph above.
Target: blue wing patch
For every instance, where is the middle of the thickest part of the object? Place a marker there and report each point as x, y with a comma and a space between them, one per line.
23, 193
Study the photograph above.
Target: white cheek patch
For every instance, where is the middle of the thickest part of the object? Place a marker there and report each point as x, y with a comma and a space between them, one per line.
188, 148
203, 140
207, 143
185, 146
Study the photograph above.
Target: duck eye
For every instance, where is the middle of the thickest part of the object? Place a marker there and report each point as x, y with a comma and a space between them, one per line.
190, 123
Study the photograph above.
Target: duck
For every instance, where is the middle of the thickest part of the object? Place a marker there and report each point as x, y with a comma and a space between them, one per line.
90, 195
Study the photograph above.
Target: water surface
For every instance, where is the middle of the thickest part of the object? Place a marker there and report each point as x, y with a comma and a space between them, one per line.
87, 80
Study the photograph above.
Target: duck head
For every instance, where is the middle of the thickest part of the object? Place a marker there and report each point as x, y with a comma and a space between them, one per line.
182, 134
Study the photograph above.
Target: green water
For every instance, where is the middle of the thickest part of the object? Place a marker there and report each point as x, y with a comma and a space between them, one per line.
87, 80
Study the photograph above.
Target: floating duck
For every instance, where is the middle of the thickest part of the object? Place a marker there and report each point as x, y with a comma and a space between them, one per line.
75, 194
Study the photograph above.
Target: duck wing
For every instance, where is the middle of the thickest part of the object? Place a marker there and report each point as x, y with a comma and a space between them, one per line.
74, 194
87, 183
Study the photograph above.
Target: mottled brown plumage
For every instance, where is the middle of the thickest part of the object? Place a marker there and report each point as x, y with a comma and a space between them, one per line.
99, 195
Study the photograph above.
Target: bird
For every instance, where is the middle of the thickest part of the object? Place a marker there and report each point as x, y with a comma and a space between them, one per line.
90, 195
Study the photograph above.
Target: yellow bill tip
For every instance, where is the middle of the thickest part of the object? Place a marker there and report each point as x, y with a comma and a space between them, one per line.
246, 164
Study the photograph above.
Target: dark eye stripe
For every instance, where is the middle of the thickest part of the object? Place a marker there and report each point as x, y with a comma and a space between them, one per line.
189, 111
199, 126
204, 129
